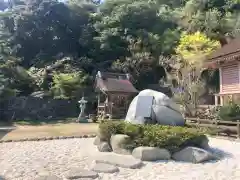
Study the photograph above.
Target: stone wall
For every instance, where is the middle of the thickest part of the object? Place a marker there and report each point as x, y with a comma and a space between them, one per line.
34, 108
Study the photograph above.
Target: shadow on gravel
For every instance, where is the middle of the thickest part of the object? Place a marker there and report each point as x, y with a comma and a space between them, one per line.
162, 161
4, 131
220, 153
2, 178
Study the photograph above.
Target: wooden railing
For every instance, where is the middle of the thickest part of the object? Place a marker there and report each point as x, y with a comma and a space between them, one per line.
227, 127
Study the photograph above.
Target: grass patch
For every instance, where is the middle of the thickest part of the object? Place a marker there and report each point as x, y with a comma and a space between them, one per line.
172, 138
50, 130
43, 122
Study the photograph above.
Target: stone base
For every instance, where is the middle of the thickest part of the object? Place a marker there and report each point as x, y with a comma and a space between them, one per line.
82, 120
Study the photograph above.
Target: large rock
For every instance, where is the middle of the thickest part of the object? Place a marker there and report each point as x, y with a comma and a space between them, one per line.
105, 168
200, 142
124, 161
164, 110
104, 147
151, 153
82, 173
118, 143
167, 116
193, 155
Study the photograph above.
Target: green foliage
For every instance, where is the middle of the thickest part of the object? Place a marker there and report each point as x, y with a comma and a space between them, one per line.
191, 54
38, 75
193, 48
106, 129
5, 91
216, 18
68, 85
120, 35
229, 112
134, 32
17, 78
169, 137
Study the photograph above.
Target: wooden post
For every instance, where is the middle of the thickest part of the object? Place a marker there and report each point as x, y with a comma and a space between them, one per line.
216, 100
216, 123
221, 100
98, 103
238, 129
198, 122
98, 99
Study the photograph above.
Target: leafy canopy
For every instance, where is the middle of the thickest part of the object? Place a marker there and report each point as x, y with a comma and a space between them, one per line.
193, 48
67, 85
114, 35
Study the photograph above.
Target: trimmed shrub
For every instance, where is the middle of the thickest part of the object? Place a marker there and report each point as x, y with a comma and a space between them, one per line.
172, 138
229, 112
107, 128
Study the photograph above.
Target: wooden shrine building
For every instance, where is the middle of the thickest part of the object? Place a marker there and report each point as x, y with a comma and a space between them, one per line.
227, 60
115, 92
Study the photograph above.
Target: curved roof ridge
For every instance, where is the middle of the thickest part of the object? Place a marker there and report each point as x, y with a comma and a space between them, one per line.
231, 48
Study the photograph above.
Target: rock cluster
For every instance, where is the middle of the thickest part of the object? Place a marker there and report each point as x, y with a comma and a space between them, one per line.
115, 156
57, 159
117, 145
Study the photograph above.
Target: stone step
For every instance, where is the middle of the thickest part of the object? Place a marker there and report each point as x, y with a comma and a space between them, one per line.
82, 173
105, 168
124, 161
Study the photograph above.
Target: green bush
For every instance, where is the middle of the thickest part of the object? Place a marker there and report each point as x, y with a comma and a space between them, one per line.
229, 112
170, 137
106, 129
68, 85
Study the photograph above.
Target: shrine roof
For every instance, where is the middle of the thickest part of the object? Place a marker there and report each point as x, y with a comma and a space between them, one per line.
227, 52
114, 82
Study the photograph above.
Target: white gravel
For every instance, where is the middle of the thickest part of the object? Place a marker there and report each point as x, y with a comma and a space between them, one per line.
28, 160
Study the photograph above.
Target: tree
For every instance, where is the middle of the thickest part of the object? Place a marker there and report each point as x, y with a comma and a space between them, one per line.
49, 28
39, 33
190, 55
193, 48
134, 33
16, 78
6, 91
112, 35
216, 18
68, 85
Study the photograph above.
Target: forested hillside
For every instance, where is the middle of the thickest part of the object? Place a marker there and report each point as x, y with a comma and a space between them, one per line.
57, 47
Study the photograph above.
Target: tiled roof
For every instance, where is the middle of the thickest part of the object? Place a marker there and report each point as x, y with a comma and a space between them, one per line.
112, 82
228, 50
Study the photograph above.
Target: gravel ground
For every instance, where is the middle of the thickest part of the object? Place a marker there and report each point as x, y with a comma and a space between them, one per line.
28, 160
